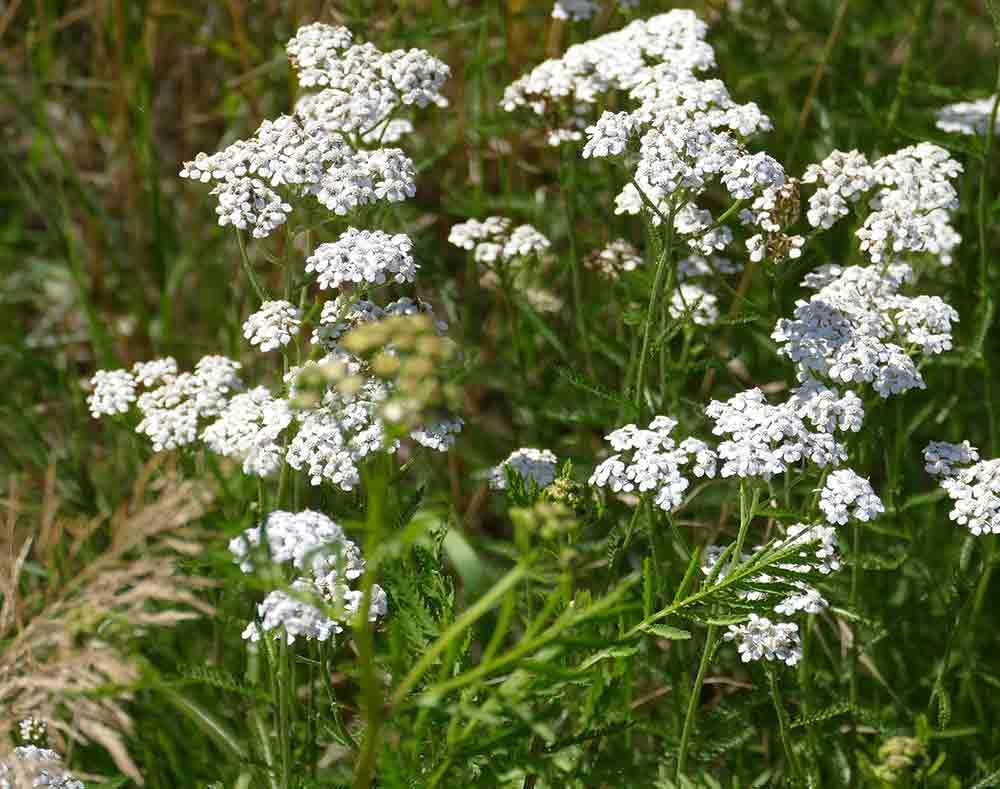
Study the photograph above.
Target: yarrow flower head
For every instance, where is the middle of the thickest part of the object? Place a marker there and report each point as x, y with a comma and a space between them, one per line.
973, 485
694, 303
971, 118
112, 392
762, 440
847, 495
762, 639
249, 429
535, 465
615, 259
273, 325
649, 461
912, 200
31, 766
495, 240
319, 603
857, 328
941, 457
363, 256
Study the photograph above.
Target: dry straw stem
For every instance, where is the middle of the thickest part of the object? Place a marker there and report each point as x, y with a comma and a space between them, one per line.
93, 584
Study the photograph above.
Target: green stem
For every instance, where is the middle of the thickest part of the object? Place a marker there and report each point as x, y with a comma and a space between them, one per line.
693, 699
248, 268
459, 626
779, 708
748, 506
664, 264
377, 491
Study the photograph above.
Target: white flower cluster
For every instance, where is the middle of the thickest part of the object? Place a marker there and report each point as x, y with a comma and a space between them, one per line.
911, 203
615, 259
494, 239
39, 766
325, 56
320, 602
694, 303
649, 461
535, 465
249, 428
859, 328
847, 495
363, 256
689, 133
762, 440
762, 639
312, 152
696, 266
334, 437
973, 485
618, 61
273, 325
967, 117
174, 403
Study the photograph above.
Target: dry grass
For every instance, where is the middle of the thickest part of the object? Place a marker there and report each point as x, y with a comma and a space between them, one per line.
72, 592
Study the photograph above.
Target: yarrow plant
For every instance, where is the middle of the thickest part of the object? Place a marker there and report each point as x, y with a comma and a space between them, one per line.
710, 357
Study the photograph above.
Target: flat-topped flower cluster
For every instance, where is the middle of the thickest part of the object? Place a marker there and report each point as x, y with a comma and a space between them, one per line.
320, 602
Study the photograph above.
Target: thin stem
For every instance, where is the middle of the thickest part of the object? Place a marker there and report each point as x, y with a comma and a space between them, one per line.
693, 699
457, 628
377, 490
664, 264
569, 209
748, 505
779, 708
248, 268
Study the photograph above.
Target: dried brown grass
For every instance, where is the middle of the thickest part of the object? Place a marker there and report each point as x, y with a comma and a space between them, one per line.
74, 591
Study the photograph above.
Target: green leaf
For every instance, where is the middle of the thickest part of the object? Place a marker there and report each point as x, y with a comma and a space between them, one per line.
667, 632
608, 654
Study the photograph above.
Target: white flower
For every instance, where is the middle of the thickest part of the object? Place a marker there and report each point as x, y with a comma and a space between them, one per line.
975, 493
493, 239
439, 436
341, 315
524, 240
762, 639
617, 257
847, 495
112, 392
821, 549
940, 457
967, 117
249, 204
363, 256
845, 178
310, 540
695, 303
313, 47
751, 173
650, 461
610, 135
273, 325
537, 465
248, 429
155, 371
171, 412
854, 328
764, 440
695, 266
